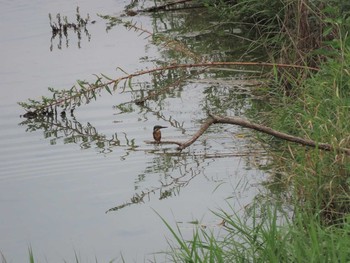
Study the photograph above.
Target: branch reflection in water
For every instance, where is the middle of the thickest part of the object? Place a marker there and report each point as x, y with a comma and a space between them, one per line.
62, 28
175, 169
72, 131
148, 98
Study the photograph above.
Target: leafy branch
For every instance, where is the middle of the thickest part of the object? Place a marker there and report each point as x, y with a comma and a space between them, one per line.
84, 92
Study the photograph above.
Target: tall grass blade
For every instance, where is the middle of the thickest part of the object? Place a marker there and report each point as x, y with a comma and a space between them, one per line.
179, 239
31, 255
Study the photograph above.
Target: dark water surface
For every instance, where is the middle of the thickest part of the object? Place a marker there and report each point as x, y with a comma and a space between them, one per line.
54, 194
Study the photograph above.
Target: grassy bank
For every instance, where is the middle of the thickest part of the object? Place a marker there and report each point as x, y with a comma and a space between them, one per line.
320, 111
313, 105
316, 106
262, 239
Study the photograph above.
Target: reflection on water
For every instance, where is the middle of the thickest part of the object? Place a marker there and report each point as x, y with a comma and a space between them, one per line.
59, 177
62, 27
71, 131
175, 169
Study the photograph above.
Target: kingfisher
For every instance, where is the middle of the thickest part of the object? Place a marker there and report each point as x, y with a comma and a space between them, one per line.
157, 135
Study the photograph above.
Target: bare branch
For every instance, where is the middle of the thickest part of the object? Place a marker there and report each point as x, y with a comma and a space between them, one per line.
213, 119
199, 133
277, 134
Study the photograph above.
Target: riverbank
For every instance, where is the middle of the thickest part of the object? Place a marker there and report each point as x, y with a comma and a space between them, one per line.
311, 105
303, 215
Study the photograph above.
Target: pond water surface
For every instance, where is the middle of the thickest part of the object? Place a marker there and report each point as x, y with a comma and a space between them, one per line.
55, 189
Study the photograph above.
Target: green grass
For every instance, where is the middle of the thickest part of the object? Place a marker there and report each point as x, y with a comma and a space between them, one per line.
319, 110
260, 238
305, 104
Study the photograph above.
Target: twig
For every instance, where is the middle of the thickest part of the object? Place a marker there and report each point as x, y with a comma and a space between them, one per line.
165, 6
165, 142
213, 119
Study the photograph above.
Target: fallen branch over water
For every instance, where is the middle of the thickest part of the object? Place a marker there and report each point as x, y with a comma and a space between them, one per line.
87, 91
214, 119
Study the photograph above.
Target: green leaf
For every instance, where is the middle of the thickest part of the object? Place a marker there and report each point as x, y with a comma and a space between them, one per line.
115, 86
327, 31
108, 78
122, 70
130, 84
109, 91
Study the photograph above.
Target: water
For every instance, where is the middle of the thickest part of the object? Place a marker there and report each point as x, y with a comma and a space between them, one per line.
54, 193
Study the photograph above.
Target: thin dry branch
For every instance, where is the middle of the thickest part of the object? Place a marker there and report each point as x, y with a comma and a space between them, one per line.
166, 6
277, 134
199, 133
213, 119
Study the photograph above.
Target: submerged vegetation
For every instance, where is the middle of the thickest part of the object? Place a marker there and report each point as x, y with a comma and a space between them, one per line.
307, 95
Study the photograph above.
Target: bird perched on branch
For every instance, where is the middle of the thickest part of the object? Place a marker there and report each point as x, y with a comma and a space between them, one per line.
157, 135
